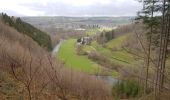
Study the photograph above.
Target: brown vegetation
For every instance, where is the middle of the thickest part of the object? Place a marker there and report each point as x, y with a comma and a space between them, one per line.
41, 77
129, 28
103, 61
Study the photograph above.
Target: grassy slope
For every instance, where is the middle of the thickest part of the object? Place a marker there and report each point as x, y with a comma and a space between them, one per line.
116, 42
120, 55
68, 54
117, 56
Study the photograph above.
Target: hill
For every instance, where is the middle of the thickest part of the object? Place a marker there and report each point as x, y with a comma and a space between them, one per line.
28, 72
63, 19
60, 22
37, 35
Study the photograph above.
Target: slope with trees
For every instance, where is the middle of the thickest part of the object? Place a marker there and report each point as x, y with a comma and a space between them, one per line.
29, 72
40, 37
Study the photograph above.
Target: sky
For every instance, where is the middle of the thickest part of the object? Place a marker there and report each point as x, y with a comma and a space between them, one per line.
70, 7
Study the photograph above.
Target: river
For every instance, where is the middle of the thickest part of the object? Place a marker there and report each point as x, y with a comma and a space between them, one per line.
57, 47
108, 79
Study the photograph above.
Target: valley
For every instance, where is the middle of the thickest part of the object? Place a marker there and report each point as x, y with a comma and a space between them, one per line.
86, 57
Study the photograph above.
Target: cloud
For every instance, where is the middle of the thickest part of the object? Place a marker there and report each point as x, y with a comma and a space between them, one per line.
74, 7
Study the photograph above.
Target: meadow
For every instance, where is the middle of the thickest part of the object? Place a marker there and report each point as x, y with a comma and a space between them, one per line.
68, 55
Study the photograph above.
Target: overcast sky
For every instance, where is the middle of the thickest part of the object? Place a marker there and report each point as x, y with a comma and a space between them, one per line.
70, 7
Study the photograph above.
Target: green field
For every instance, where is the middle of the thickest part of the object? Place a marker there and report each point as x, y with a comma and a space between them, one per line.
67, 53
95, 31
92, 31
105, 29
117, 56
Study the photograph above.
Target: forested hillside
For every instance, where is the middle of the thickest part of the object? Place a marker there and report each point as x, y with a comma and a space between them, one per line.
37, 35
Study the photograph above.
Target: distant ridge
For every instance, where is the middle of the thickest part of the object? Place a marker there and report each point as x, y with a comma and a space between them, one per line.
56, 21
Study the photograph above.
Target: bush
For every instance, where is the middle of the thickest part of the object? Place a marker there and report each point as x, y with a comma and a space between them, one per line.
103, 61
126, 89
80, 51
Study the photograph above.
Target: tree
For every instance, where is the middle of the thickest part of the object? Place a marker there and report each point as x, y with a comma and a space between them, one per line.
155, 15
164, 39
106, 36
150, 22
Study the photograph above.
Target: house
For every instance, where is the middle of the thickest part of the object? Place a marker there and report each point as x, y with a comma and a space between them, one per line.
84, 40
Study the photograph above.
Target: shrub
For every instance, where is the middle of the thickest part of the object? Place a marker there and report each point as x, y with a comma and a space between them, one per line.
126, 89
103, 60
80, 51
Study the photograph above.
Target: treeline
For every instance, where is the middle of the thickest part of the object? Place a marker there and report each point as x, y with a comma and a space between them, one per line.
37, 35
105, 36
154, 43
